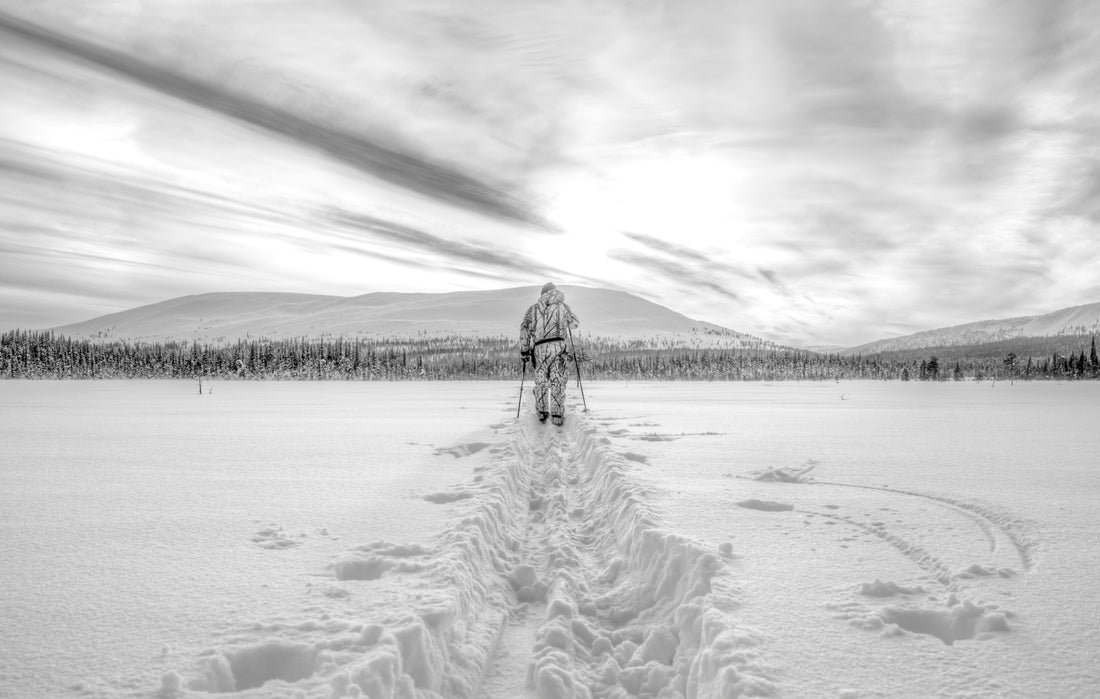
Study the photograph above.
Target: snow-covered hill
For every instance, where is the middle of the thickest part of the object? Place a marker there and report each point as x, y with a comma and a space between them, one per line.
1075, 320
227, 317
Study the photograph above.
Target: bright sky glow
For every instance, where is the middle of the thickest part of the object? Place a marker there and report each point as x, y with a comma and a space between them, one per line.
814, 173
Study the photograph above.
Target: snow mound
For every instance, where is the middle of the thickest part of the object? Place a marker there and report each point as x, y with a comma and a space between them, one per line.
794, 474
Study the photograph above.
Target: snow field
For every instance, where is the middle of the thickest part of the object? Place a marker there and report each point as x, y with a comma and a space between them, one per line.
721, 540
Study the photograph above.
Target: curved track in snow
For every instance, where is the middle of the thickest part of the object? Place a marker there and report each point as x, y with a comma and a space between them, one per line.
1001, 529
1004, 542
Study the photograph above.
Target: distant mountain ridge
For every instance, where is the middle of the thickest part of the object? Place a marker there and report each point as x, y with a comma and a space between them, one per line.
226, 317
1075, 320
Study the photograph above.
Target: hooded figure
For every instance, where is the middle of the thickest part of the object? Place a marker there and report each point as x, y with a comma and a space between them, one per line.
546, 327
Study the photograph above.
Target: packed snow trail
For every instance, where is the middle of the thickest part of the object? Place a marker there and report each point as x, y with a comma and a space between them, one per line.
554, 579
616, 605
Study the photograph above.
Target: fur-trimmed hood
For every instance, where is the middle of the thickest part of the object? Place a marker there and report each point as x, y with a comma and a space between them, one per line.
553, 296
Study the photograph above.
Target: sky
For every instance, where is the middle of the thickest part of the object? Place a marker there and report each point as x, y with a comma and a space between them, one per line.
815, 173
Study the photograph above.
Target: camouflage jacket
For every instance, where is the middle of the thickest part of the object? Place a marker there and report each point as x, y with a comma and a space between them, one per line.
548, 319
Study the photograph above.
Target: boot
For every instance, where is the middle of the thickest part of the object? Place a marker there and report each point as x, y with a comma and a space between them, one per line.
558, 420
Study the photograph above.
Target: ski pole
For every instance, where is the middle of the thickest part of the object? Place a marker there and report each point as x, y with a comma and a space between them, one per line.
522, 379
577, 364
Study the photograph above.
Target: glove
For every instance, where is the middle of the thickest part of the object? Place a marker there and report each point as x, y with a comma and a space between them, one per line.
528, 356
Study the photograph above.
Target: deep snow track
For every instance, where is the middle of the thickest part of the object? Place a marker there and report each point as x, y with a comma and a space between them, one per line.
553, 579
606, 601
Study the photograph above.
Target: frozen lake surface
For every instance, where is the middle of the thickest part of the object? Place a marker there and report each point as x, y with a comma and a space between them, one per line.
415, 539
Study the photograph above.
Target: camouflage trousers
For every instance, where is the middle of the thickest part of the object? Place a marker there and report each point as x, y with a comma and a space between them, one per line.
550, 378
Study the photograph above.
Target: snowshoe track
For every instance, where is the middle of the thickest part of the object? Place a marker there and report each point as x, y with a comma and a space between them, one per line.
623, 607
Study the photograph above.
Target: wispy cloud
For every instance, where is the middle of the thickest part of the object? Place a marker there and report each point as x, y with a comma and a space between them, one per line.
402, 167
671, 271
446, 248
80, 186
824, 173
687, 255
773, 279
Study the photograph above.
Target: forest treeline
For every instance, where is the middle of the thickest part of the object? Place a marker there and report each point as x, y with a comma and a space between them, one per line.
45, 355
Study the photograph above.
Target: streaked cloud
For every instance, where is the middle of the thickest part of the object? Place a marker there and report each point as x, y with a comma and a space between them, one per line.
404, 168
688, 255
407, 237
671, 272
816, 173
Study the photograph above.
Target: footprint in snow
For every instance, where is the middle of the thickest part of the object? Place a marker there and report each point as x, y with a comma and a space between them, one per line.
980, 571
274, 538
798, 474
765, 505
372, 561
653, 437
955, 621
878, 588
447, 497
336, 593
461, 450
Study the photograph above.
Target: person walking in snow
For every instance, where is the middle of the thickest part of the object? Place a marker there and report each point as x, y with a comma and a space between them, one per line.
543, 333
